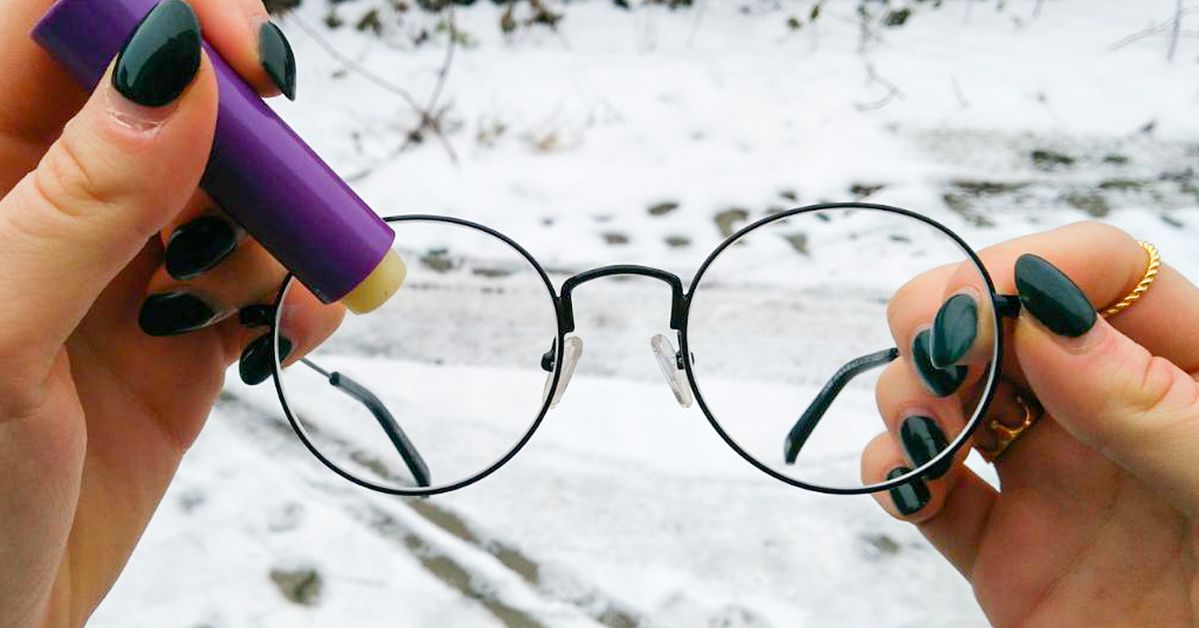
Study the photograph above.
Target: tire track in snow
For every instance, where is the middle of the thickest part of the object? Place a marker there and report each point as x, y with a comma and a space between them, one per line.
444, 544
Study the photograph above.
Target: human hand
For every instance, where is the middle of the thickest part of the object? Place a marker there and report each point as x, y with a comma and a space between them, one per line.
96, 410
1094, 523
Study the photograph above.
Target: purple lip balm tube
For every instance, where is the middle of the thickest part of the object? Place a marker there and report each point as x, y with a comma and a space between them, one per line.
260, 172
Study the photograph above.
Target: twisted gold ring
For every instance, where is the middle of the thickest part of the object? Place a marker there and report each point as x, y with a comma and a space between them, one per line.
1146, 281
1005, 436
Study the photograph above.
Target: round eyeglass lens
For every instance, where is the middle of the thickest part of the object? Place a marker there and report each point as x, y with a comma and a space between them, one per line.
444, 381
790, 344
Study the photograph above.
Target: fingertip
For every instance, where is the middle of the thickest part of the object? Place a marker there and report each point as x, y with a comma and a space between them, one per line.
915, 501
243, 34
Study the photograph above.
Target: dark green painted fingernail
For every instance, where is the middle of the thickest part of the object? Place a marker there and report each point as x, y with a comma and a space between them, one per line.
255, 364
922, 440
277, 58
174, 313
941, 382
198, 246
1049, 295
162, 56
954, 330
911, 497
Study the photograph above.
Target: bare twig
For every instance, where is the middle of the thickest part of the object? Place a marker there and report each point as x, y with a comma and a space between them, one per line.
353, 65
1036, 12
430, 117
893, 92
695, 22
961, 96
1174, 35
1156, 29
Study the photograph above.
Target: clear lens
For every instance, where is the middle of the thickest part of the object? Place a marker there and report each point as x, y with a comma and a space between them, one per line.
443, 381
790, 304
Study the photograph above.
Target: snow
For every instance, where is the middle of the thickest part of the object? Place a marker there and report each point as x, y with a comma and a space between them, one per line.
625, 509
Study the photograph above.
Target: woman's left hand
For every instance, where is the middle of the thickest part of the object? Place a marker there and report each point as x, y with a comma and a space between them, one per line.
111, 359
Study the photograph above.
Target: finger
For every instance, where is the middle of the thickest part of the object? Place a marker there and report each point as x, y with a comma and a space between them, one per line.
1007, 412
952, 514
39, 96
961, 330
910, 319
241, 31
957, 528
199, 239
1139, 410
1107, 263
306, 323
120, 170
921, 424
914, 501
250, 275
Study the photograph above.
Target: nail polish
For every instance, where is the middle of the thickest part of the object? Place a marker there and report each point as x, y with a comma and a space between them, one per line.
174, 313
953, 331
1050, 296
940, 382
199, 246
255, 364
277, 58
922, 440
259, 170
911, 497
162, 56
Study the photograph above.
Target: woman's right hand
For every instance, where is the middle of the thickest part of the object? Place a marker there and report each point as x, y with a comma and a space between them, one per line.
1095, 520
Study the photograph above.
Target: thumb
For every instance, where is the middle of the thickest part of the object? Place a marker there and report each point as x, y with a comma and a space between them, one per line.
121, 168
1109, 392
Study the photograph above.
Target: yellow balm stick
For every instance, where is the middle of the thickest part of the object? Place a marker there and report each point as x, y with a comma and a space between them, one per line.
378, 286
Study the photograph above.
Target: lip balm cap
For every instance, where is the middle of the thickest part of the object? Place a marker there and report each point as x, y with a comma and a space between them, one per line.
378, 286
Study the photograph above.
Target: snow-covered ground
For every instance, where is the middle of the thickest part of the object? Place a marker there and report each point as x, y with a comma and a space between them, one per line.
625, 510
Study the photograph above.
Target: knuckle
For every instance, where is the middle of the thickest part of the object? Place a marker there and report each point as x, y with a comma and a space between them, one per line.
1098, 232
20, 394
65, 180
917, 301
1151, 397
900, 307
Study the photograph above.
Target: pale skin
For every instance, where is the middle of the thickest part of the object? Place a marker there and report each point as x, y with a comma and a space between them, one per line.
94, 414
1093, 525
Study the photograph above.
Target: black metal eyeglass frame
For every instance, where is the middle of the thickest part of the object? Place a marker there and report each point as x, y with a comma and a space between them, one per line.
1003, 307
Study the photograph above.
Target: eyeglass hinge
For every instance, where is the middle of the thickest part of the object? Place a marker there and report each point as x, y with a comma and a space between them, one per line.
1007, 305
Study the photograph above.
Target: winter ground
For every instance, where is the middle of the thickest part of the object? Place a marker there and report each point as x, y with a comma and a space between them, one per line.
625, 510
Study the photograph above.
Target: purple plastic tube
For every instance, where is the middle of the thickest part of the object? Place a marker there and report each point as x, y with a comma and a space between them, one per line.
260, 172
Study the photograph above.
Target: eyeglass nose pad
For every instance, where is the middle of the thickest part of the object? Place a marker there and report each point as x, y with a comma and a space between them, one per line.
672, 369
572, 350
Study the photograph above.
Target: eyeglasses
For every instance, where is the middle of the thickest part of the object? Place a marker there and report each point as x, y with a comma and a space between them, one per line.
782, 337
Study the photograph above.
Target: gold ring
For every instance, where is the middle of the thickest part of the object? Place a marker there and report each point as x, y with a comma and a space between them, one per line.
1150, 274
1005, 436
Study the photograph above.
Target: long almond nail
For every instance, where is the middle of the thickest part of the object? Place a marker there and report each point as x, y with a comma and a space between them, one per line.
1050, 296
157, 64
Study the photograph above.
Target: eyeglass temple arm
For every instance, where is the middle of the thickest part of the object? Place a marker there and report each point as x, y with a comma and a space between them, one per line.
1006, 306
811, 417
412, 458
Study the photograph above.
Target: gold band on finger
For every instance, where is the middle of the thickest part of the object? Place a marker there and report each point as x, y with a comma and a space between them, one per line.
1146, 281
1005, 436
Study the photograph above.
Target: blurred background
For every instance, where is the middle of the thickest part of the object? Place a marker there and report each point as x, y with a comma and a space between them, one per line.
599, 132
